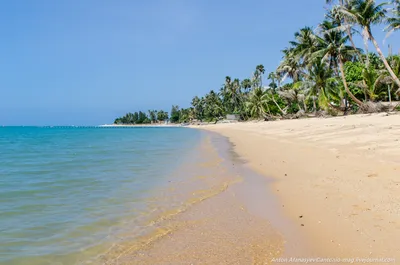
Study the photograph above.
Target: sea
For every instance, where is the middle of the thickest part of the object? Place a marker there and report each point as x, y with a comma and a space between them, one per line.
73, 195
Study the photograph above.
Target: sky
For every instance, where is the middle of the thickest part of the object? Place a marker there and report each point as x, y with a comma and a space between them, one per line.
73, 62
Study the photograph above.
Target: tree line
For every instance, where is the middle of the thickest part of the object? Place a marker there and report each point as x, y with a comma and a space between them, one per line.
152, 116
178, 115
322, 71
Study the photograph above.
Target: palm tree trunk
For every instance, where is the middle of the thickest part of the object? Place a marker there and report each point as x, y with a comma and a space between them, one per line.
356, 100
348, 30
352, 42
279, 107
385, 62
305, 105
269, 112
314, 104
334, 107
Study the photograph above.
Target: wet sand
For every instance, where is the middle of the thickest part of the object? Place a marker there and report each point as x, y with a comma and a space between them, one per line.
338, 179
227, 216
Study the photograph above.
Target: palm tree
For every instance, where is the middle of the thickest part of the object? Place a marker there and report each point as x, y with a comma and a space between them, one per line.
231, 95
304, 45
246, 84
274, 77
335, 15
372, 83
162, 115
333, 49
289, 66
175, 114
384, 76
293, 95
317, 81
297, 58
227, 81
195, 101
367, 13
213, 106
198, 108
394, 21
257, 103
224, 92
260, 71
235, 93
152, 116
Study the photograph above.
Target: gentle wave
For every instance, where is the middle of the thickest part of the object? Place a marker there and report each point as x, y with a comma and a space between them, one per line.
67, 194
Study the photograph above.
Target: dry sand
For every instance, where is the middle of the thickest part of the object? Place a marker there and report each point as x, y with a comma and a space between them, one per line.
338, 179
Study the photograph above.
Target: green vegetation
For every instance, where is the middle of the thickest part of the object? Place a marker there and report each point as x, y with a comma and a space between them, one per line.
153, 116
322, 71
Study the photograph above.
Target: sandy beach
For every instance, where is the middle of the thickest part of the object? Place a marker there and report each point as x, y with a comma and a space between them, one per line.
336, 178
209, 215
265, 192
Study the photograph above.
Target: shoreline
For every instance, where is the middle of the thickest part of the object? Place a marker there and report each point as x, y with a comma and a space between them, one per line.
219, 223
139, 125
336, 178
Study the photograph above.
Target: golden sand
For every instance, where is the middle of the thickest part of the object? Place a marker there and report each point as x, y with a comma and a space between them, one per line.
337, 178
203, 219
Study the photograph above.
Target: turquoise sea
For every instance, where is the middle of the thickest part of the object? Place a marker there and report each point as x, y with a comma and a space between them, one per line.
68, 194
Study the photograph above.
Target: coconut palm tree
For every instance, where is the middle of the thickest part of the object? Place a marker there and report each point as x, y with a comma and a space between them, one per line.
304, 45
260, 70
394, 20
384, 76
367, 13
152, 115
292, 95
271, 95
246, 85
231, 95
335, 15
316, 83
333, 49
213, 107
257, 103
274, 77
162, 116
371, 83
289, 66
198, 107
235, 93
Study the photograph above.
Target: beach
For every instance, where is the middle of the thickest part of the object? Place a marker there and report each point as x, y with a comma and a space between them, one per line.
336, 178
134, 196
230, 193
218, 221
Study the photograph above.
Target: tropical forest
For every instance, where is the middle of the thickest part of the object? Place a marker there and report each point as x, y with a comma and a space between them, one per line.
322, 73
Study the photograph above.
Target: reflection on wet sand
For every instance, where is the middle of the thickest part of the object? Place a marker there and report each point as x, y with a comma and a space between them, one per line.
200, 220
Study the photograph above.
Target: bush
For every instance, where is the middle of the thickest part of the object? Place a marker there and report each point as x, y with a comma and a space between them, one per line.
293, 108
354, 109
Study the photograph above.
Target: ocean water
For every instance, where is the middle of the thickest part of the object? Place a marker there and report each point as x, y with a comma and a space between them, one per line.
68, 195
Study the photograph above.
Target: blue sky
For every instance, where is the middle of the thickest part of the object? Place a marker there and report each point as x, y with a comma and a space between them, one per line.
86, 62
